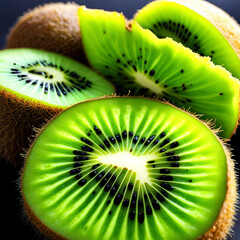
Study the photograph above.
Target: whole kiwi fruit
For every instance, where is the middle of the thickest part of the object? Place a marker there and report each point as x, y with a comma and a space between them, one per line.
52, 27
129, 168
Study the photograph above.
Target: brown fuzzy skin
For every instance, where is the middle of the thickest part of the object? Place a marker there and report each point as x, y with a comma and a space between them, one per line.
225, 221
220, 229
52, 27
226, 24
18, 116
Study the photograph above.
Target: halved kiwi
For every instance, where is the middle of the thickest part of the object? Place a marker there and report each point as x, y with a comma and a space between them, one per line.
35, 85
128, 168
51, 27
136, 60
198, 25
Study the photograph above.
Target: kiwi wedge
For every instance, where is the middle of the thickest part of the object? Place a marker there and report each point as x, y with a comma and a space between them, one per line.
128, 168
51, 27
135, 59
197, 25
34, 86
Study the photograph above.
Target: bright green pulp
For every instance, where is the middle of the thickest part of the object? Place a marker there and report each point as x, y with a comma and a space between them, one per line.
170, 19
89, 212
135, 59
50, 78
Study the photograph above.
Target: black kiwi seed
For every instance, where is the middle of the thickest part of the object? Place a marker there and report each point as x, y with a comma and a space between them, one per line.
155, 204
108, 202
79, 158
78, 176
118, 137
175, 164
135, 139
140, 217
124, 134
100, 176
163, 134
132, 215
93, 174
114, 189
97, 130
102, 146
77, 164
164, 193
173, 158
82, 182
95, 166
112, 139
149, 210
162, 150
159, 197
130, 186
166, 186
87, 148
166, 178
75, 171
133, 203
164, 171
103, 181
165, 142
107, 187
130, 134
77, 152
118, 199
86, 141
107, 143
125, 202
170, 153
174, 144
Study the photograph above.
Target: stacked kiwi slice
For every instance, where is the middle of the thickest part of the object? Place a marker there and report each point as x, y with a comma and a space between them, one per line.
140, 62
199, 25
36, 85
150, 166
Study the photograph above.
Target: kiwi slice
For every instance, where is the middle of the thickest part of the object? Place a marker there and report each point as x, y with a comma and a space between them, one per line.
51, 27
128, 168
34, 86
181, 21
136, 60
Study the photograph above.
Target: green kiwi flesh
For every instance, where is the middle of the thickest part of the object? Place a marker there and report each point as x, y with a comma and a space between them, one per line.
171, 19
50, 78
135, 59
125, 168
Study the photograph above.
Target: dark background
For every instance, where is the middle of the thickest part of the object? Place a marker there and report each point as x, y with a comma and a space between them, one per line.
15, 225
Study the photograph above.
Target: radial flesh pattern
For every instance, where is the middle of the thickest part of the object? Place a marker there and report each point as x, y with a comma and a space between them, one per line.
125, 168
135, 60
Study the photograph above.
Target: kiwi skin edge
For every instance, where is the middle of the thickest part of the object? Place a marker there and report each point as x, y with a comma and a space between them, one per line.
17, 118
220, 229
59, 30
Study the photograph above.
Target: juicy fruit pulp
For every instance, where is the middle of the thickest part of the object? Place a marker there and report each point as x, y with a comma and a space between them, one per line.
136, 60
50, 78
172, 19
125, 168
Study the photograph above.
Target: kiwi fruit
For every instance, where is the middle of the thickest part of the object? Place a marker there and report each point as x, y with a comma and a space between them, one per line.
52, 27
129, 168
136, 60
199, 25
34, 86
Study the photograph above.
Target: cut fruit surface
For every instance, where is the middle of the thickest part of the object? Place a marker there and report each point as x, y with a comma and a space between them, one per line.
50, 78
136, 60
173, 19
125, 168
